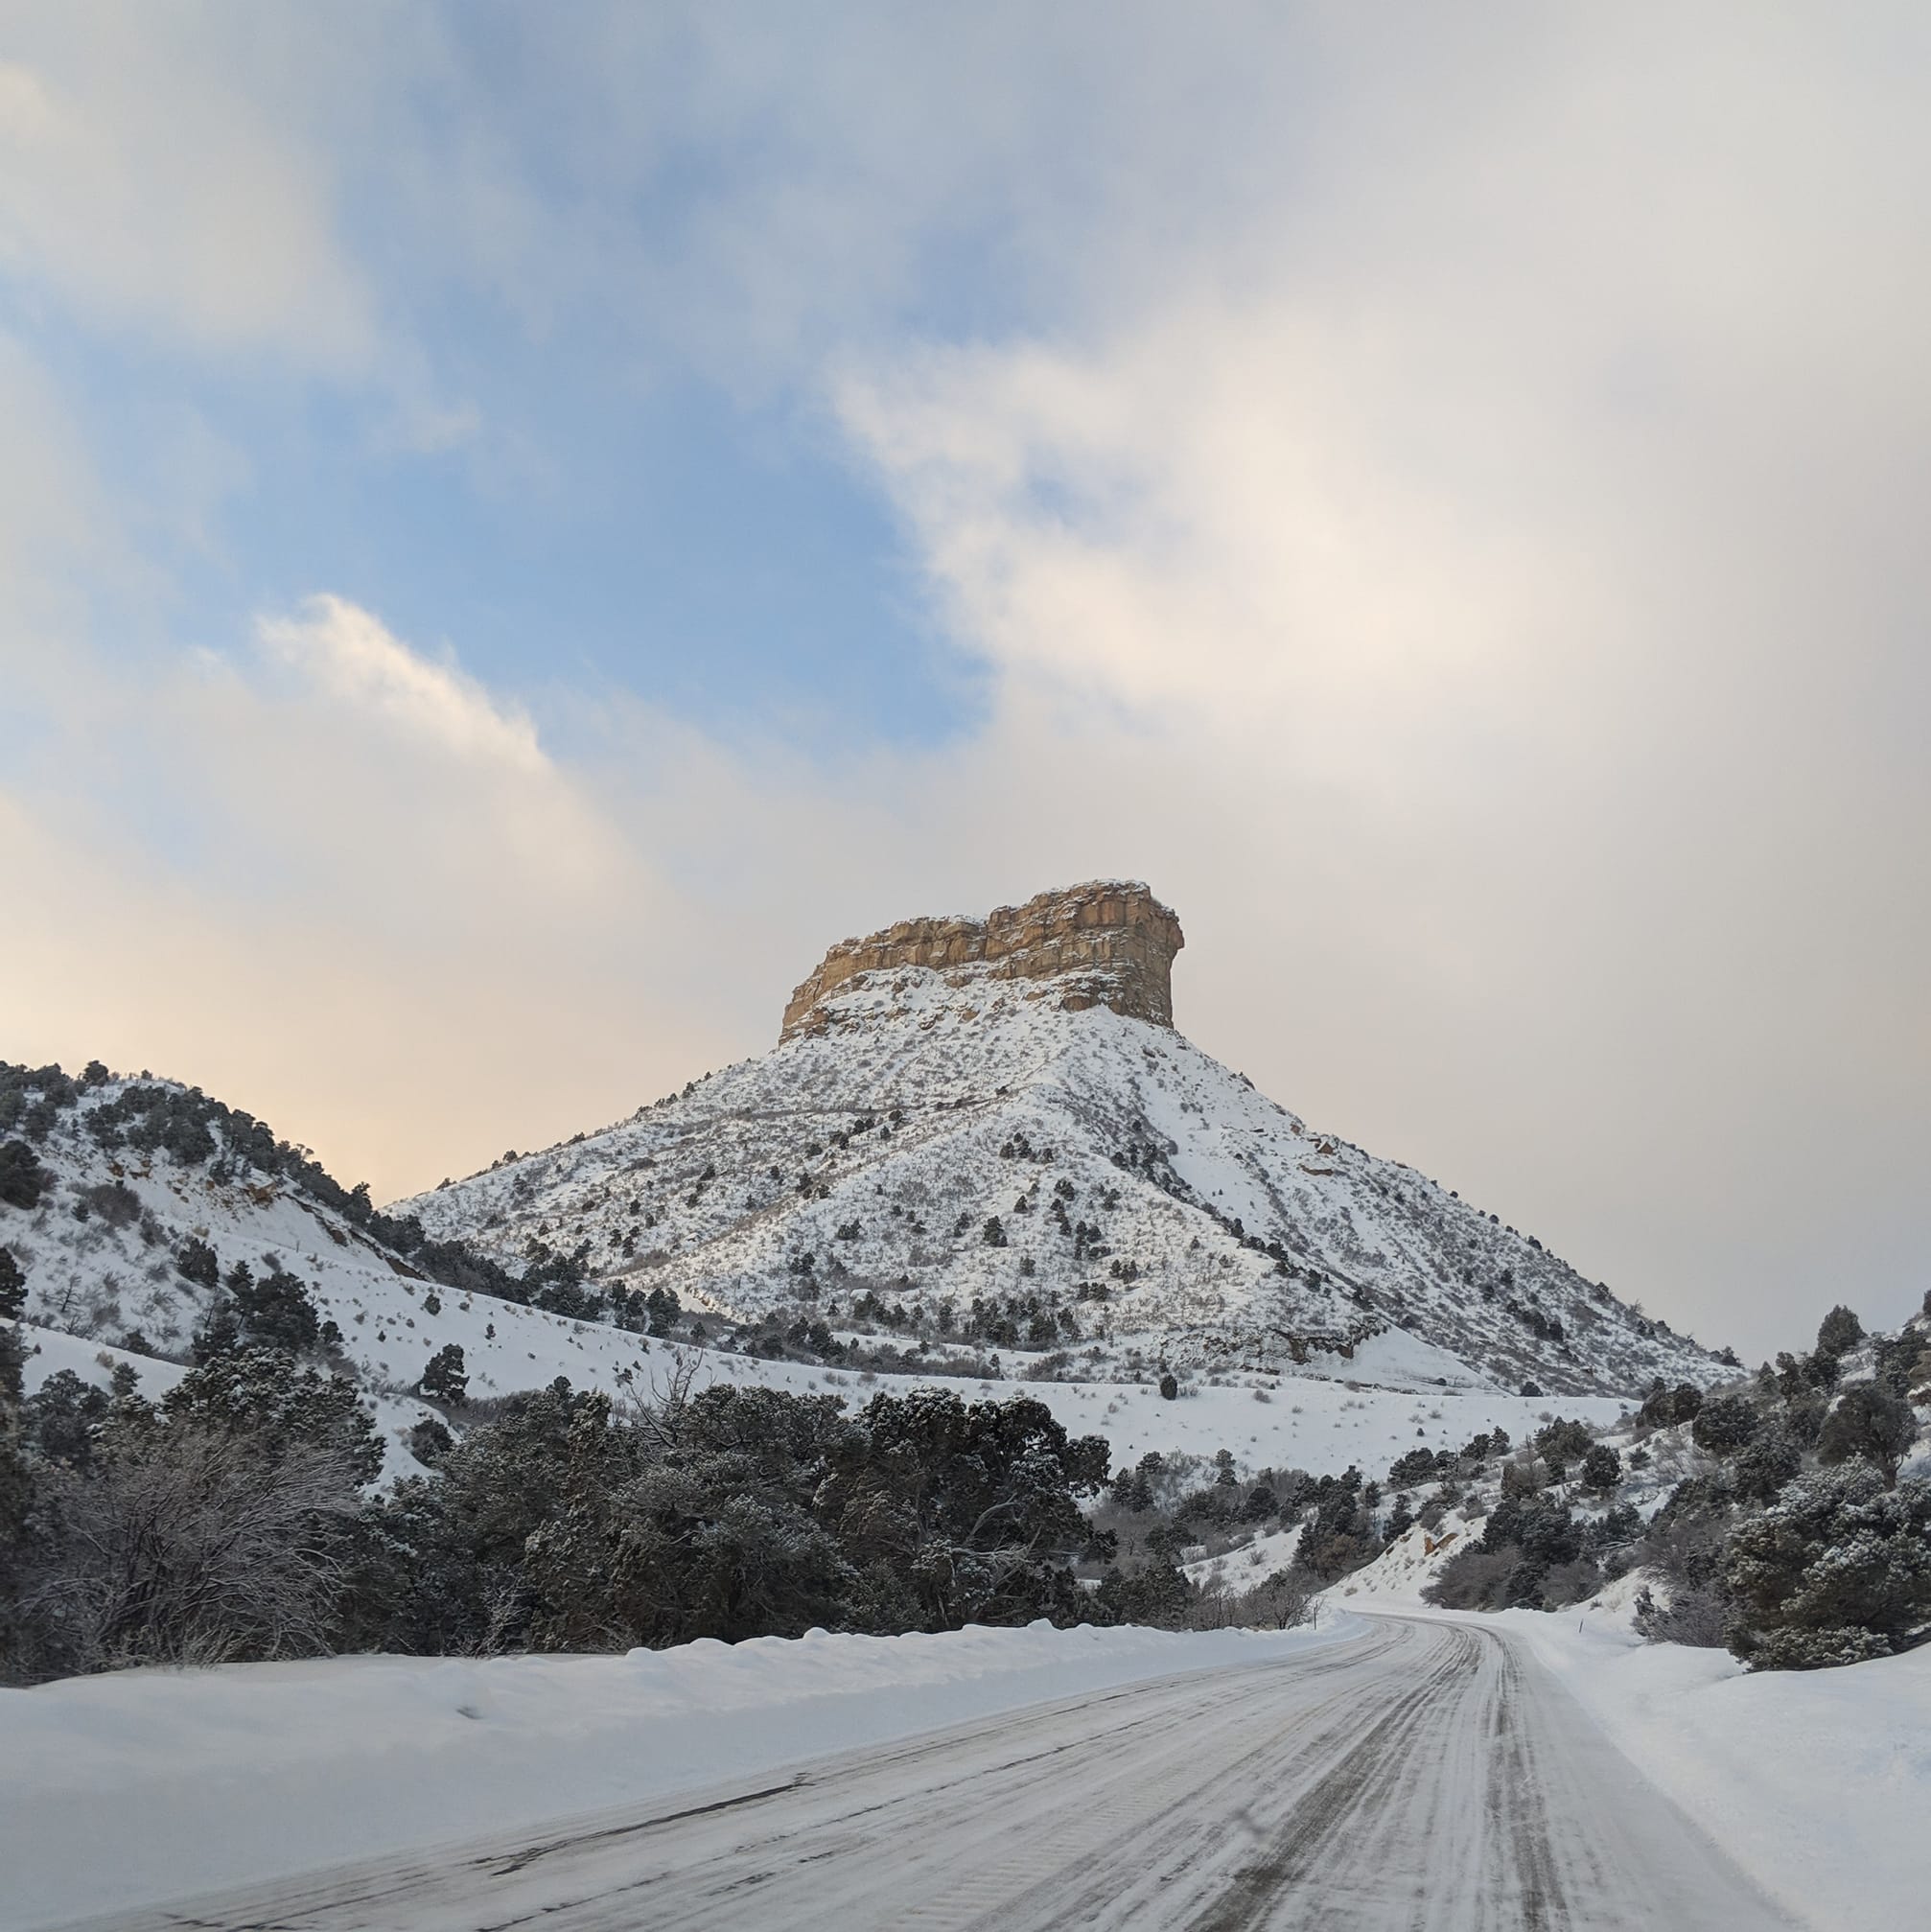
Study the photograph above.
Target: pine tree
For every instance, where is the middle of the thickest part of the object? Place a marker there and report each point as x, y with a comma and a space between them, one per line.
1839, 1332
445, 1378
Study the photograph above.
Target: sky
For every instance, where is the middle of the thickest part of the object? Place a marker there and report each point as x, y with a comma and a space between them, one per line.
519, 527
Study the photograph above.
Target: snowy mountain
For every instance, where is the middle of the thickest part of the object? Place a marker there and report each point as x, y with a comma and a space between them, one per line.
984, 1136
121, 1197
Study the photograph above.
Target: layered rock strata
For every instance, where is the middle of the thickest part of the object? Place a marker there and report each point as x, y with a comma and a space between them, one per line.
1108, 943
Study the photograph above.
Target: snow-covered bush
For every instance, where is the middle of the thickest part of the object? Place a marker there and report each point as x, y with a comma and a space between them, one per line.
1837, 1569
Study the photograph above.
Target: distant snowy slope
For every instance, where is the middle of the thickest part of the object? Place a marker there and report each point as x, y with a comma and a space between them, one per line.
942, 1162
151, 1167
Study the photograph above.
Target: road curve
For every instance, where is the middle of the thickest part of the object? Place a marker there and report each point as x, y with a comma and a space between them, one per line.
1423, 1778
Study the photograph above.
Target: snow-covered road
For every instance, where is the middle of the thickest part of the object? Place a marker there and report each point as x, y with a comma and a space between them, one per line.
1422, 1776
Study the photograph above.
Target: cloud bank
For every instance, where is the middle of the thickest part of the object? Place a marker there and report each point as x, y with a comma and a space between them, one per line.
1439, 499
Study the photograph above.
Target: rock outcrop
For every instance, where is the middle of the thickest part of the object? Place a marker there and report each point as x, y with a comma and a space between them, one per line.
1108, 943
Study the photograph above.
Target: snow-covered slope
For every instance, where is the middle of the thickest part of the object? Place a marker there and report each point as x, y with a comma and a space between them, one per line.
108, 1290
951, 1159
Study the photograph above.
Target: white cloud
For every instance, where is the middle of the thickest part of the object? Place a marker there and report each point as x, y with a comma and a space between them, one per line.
348, 654
146, 184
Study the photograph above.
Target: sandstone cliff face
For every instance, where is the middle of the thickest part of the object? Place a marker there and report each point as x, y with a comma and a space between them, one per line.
1105, 943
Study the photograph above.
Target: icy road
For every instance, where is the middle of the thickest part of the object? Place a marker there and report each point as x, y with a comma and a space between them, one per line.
1422, 1776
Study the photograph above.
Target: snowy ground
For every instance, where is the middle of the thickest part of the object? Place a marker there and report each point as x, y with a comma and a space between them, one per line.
1401, 1773
151, 1783
1267, 1422
1818, 1783
1254, 1561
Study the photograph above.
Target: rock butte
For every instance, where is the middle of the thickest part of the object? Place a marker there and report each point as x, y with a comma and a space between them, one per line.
1108, 943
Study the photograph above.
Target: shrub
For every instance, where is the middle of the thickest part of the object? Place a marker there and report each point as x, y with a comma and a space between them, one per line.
1691, 1617
22, 1177
1664, 1405
1869, 1423
1725, 1423
1570, 1582
189, 1547
1837, 1569
114, 1201
1472, 1578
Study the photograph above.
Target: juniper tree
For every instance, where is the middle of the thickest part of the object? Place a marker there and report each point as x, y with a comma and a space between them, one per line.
22, 1177
1839, 1332
1836, 1570
1602, 1469
446, 1377
1726, 1423
197, 1262
1868, 1422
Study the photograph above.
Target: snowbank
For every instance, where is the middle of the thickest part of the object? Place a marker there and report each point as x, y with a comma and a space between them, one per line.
48, 1351
1818, 1783
134, 1788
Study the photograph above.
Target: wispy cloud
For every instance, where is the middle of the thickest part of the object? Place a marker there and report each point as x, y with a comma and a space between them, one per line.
347, 655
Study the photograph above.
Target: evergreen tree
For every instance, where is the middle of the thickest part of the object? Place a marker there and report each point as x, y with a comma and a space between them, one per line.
1839, 1332
22, 1177
219, 1333
445, 1379
1726, 1423
1837, 1569
1602, 1469
12, 1286
197, 1262
275, 1311
1765, 1463
1869, 1423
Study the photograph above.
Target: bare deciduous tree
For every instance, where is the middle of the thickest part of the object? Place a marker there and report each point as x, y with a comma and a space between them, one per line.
199, 1549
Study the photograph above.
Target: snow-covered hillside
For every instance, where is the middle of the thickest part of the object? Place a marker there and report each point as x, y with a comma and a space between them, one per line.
957, 1160
105, 1287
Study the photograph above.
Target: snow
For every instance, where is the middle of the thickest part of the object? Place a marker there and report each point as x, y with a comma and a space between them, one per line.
1392, 1332
49, 1352
150, 1784
1406, 1567
1818, 1783
881, 1148
1249, 1564
101, 1281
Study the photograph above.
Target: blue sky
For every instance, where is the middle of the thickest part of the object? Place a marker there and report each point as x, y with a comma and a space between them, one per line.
589, 518
519, 527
